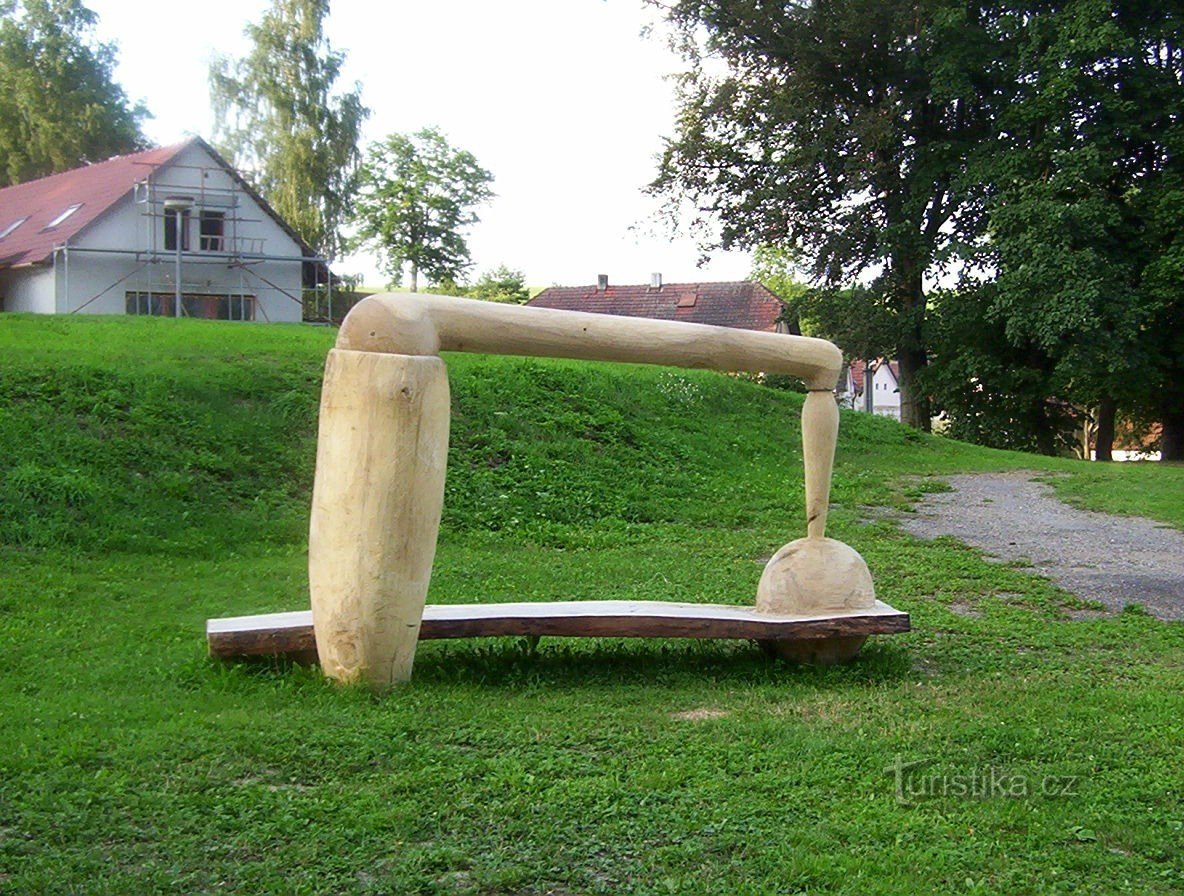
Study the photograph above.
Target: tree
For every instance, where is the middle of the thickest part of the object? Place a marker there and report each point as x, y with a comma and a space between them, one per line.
1082, 216
991, 388
60, 106
844, 131
417, 195
777, 270
855, 318
501, 284
280, 121
1165, 334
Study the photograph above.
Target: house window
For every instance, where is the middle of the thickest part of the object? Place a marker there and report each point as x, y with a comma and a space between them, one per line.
62, 217
199, 305
156, 304
13, 226
170, 231
212, 226
208, 307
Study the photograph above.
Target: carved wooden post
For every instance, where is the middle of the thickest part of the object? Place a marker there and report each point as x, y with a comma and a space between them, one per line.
816, 574
377, 498
820, 435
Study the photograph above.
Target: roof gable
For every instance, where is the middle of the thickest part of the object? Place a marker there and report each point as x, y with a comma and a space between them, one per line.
855, 370
94, 189
893, 369
91, 190
744, 305
246, 187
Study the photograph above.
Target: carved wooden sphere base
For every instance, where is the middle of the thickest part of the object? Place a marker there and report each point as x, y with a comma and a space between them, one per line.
815, 575
815, 651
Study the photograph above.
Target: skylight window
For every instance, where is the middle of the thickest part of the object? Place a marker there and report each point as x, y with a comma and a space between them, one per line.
13, 226
62, 217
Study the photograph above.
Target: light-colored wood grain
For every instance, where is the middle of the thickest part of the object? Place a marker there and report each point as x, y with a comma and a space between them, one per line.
815, 575
379, 487
820, 433
419, 324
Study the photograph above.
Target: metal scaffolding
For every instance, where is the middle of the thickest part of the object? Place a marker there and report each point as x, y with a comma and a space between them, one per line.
229, 250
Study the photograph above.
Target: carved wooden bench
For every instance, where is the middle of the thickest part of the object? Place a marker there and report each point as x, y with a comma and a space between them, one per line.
379, 490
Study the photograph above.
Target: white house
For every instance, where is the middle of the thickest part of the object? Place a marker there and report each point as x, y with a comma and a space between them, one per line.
872, 386
112, 238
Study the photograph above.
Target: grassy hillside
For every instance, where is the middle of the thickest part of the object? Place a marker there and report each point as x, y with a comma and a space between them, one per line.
156, 472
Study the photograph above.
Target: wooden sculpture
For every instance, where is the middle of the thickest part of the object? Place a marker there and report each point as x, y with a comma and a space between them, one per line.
379, 488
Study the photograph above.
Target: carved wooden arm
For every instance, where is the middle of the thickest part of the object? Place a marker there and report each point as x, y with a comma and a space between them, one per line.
415, 324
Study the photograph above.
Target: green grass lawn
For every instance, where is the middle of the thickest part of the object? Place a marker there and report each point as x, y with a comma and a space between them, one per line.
155, 473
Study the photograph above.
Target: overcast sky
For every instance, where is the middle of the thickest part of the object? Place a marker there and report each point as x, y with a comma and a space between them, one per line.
565, 101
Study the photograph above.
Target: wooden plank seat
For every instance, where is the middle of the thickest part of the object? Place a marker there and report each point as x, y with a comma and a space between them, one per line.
819, 638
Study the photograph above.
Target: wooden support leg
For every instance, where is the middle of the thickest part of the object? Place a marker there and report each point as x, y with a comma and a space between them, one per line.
820, 434
816, 574
379, 488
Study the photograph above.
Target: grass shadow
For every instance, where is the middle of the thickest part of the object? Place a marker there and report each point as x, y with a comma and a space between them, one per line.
613, 662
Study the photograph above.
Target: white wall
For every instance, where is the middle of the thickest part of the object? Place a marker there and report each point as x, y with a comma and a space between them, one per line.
27, 289
885, 393
96, 283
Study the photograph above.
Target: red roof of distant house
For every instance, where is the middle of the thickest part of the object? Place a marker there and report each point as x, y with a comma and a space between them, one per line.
856, 368
744, 305
92, 189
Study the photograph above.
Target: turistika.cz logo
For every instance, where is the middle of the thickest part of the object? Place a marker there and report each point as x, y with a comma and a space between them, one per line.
915, 782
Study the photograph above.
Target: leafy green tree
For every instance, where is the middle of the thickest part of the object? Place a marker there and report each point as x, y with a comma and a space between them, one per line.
845, 131
447, 286
855, 318
776, 268
1164, 336
1082, 219
60, 106
501, 284
417, 195
989, 388
282, 123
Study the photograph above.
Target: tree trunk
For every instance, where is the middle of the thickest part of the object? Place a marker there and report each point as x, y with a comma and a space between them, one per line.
910, 298
1104, 444
414, 277
1043, 429
914, 405
1171, 443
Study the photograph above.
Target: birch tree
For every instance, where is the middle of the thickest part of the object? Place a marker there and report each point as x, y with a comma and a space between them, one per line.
284, 125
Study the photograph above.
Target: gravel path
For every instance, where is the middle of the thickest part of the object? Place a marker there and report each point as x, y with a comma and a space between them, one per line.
1096, 556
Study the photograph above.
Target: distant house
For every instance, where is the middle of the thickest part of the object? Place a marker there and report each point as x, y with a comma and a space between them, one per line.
744, 305
874, 387
109, 238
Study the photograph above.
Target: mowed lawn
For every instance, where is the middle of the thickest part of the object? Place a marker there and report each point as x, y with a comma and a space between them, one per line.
155, 473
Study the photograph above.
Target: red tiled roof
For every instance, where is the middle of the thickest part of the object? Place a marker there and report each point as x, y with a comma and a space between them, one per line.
95, 188
744, 305
855, 365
